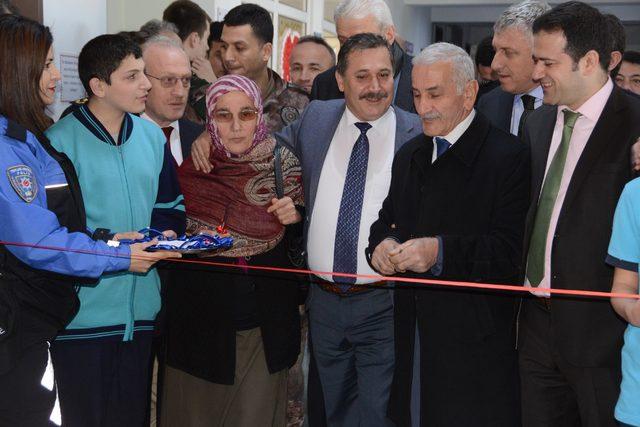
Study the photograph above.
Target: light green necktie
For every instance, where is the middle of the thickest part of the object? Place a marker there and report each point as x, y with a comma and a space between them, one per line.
538, 244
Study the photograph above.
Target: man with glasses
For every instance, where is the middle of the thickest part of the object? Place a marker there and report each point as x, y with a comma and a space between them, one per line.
168, 70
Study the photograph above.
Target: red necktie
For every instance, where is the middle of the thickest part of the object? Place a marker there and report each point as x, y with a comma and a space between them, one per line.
167, 134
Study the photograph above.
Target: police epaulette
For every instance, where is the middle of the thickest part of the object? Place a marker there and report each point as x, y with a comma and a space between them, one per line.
16, 131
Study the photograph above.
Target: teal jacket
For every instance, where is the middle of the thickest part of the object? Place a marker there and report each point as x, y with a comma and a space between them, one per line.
119, 184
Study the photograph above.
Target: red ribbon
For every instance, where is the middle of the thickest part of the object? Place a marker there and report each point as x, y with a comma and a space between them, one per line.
373, 277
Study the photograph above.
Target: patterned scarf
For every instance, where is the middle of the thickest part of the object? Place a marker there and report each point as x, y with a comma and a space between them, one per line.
239, 189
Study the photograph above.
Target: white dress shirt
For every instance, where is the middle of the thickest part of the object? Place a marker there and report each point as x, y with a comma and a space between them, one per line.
324, 219
174, 139
453, 136
518, 107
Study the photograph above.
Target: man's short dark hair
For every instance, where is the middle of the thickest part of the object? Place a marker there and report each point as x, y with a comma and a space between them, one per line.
485, 52
215, 32
188, 17
101, 56
322, 42
358, 43
584, 28
631, 56
257, 17
618, 37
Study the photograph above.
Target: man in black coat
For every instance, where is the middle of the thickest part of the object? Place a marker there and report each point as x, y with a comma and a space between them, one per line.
367, 16
569, 348
518, 95
455, 211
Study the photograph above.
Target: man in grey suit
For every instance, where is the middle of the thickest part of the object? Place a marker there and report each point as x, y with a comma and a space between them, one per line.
346, 148
508, 106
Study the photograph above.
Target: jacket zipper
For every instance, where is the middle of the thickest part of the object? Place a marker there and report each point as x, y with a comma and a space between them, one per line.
128, 334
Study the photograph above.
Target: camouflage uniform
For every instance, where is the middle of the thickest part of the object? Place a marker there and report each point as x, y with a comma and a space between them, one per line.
284, 102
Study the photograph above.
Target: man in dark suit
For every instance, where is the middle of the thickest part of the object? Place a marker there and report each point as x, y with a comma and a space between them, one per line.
367, 16
168, 70
455, 211
518, 95
569, 348
345, 149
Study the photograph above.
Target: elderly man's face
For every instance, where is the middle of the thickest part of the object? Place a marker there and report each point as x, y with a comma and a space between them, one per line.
513, 62
437, 100
166, 102
347, 27
367, 83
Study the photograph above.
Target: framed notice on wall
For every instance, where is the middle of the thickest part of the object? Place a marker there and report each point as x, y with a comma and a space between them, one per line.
71, 85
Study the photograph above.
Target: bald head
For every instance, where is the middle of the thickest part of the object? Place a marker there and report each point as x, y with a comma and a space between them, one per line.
168, 69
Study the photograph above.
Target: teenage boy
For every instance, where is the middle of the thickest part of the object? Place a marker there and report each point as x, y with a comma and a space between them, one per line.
129, 182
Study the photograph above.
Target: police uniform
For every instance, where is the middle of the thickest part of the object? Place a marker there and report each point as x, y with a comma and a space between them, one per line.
40, 204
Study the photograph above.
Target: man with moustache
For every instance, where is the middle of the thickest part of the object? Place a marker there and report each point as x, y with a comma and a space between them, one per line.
310, 56
518, 95
368, 16
569, 348
345, 149
466, 372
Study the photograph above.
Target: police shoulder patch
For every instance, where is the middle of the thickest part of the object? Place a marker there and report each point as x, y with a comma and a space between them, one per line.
289, 114
23, 182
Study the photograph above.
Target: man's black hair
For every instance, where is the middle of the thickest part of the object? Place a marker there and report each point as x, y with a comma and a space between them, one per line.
618, 37
485, 52
358, 43
257, 17
584, 28
188, 17
215, 32
322, 42
631, 56
101, 56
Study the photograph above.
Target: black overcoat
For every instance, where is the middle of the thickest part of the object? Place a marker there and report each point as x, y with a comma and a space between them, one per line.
475, 197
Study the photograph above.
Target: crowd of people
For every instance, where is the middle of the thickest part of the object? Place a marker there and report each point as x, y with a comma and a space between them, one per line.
516, 168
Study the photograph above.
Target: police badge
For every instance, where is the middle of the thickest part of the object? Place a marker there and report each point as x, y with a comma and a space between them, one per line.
23, 182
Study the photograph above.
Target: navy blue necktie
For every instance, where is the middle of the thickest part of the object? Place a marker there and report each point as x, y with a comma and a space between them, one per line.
442, 145
345, 251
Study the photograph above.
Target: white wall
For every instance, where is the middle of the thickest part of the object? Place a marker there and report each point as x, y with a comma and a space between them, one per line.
73, 23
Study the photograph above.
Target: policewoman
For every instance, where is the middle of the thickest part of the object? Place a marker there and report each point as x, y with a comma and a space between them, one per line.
40, 207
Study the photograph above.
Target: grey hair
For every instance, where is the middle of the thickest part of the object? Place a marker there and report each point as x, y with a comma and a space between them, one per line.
155, 26
160, 40
463, 68
521, 16
358, 9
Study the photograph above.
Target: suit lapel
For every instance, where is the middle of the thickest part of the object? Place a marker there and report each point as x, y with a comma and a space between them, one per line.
404, 86
607, 126
324, 131
403, 128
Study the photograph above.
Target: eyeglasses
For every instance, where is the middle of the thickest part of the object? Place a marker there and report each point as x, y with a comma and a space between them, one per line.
167, 82
224, 116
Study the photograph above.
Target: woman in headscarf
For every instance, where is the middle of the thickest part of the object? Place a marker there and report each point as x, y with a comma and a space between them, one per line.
234, 332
